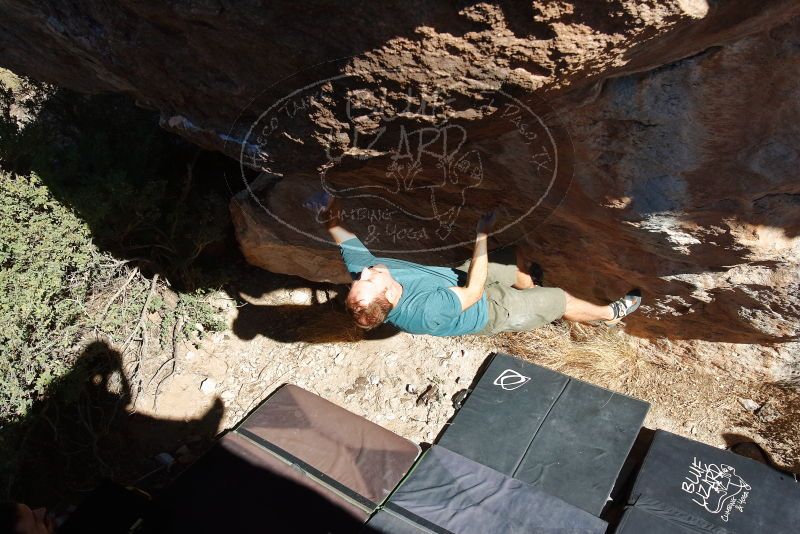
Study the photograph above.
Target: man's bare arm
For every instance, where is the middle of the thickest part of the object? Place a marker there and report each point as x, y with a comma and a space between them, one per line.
329, 212
478, 267
335, 228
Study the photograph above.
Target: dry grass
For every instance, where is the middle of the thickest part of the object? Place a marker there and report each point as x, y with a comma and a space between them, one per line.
598, 354
601, 355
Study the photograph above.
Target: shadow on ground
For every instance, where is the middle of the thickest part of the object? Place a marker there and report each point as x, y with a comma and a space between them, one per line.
83, 444
320, 318
161, 204
84, 430
154, 200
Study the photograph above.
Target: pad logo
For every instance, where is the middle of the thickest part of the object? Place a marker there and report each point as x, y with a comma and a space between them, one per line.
717, 488
510, 380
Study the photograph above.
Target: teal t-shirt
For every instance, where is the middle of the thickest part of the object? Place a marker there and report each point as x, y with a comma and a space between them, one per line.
426, 306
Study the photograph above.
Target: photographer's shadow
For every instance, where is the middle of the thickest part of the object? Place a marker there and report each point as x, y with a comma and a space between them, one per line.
85, 429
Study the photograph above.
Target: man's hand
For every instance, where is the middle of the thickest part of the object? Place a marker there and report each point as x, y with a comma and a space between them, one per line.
486, 222
320, 204
327, 210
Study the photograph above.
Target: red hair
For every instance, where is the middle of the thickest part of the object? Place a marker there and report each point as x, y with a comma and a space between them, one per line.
371, 314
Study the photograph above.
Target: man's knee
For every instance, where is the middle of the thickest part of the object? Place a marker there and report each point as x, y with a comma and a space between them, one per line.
502, 273
562, 301
569, 301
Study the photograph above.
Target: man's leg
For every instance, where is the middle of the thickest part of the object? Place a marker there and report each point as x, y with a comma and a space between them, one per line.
502, 268
581, 311
584, 312
519, 310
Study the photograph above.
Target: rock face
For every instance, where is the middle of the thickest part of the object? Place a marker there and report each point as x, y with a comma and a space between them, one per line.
696, 163
648, 144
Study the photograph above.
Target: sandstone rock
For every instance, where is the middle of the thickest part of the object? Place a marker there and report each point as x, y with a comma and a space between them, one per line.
672, 138
682, 187
430, 394
691, 161
751, 450
221, 56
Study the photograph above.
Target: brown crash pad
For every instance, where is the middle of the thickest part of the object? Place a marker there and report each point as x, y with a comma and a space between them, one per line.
298, 463
352, 455
237, 486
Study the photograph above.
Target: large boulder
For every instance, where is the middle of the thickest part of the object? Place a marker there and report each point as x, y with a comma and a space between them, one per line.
624, 143
202, 63
686, 185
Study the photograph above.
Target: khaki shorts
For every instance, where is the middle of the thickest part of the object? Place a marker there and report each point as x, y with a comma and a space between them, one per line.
517, 310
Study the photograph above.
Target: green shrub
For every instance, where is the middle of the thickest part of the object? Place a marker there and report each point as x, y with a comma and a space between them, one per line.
95, 201
123, 175
87, 179
47, 266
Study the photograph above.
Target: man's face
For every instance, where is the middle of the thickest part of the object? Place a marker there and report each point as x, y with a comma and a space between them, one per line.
33, 521
374, 281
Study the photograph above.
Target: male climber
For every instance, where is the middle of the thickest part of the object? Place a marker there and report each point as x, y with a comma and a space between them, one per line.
422, 299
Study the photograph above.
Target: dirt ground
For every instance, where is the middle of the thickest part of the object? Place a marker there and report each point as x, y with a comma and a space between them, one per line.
288, 332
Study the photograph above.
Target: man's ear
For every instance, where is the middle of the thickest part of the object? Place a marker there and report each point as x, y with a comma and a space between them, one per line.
391, 293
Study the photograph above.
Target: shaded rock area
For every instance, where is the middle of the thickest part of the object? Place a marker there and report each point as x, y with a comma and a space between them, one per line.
647, 143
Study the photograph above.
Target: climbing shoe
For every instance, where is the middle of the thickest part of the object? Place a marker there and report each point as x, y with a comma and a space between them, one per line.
624, 306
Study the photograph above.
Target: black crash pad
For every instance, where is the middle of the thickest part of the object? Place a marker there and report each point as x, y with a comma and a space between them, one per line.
446, 492
711, 489
562, 435
639, 521
238, 487
389, 522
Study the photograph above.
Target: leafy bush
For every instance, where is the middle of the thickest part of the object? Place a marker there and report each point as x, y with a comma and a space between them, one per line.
101, 212
91, 189
47, 266
134, 184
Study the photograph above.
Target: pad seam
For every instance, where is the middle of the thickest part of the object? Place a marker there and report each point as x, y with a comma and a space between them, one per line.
539, 427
